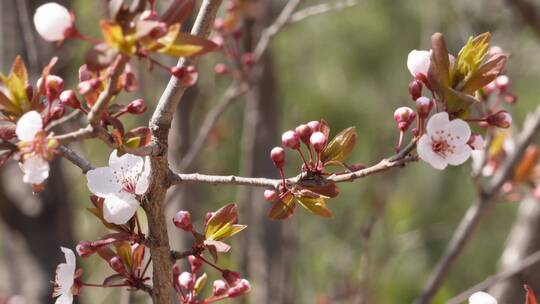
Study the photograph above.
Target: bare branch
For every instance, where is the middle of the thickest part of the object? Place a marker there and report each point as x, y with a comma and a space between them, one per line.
475, 213
76, 159
321, 9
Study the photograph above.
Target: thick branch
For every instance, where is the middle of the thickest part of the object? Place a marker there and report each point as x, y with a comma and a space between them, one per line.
475, 213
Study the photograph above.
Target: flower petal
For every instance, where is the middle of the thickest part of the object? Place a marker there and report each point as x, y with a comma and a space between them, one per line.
65, 273
118, 209
51, 21
65, 298
482, 298
459, 131
35, 169
460, 155
102, 182
438, 125
418, 62
28, 125
144, 179
426, 153
129, 165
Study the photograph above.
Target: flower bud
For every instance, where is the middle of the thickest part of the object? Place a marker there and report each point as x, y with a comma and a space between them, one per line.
220, 288
304, 132
415, 89
68, 98
502, 82
187, 75
208, 216
53, 86
195, 263
231, 277
117, 265
219, 25
84, 73
53, 22
57, 112
240, 288
88, 86
248, 59
476, 142
85, 249
270, 195
290, 140
404, 116
315, 125
510, 98
159, 31
219, 41
318, 141
186, 280
136, 107
221, 69
501, 119
278, 156
182, 220
423, 106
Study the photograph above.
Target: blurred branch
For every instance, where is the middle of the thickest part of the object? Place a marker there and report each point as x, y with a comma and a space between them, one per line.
527, 262
321, 9
76, 159
476, 212
528, 12
73, 115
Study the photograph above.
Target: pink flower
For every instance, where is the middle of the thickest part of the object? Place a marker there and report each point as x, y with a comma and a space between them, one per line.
445, 142
52, 21
65, 278
34, 166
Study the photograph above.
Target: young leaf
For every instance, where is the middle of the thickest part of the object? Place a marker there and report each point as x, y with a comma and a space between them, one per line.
200, 283
283, 208
526, 165
315, 205
123, 250
471, 56
114, 37
340, 147
485, 74
15, 84
439, 69
222, 224
530, 297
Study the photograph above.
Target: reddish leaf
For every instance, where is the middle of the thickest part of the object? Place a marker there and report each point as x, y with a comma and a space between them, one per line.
530, 297
283, 208
340, 147
486, 73
7, 132
137, 256
329, 189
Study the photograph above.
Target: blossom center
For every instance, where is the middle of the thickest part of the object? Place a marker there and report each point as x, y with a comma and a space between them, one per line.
129, 183
442, 147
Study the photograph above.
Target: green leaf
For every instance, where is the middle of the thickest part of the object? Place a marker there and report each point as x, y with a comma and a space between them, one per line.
115, 38
222, 224
340, 147
200, 283
15, 84
284, 208
315, 205
471, 56
185, 45
124, 252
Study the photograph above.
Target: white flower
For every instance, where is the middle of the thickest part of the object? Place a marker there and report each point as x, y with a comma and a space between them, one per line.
119, 183
418, 62
35, 168
65, 278
445, 142
52, 20
481, 297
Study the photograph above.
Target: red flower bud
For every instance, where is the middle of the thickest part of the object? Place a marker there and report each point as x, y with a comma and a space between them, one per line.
182, 220
270, 195
187, 75
315, 125
240, 288
248, 59
423, 106
278, 156
186, 280
290, 140
415, 89
502, 82
195, 263
53, 86
501, 119
318, 141
117, 265
85, 249
404, 116
231, 277
68, 98
57, 112
304, 131
221, 69
136, 107
220, 288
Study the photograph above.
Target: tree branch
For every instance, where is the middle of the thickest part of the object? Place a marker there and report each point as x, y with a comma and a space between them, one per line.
76, 159
321, 9
475, 213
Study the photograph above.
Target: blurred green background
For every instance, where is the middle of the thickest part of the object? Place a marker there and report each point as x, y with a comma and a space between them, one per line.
348, 67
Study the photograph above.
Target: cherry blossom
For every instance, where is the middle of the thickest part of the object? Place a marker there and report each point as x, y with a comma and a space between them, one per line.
65, 278
52, 21
34, 166
445, 142
119, 183
418, 62
481, 297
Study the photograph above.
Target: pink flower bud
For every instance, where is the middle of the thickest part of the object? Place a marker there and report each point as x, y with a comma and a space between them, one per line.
231, 277
219, 24
315, 125
278, 156
220, 288
476, 141
502, 82
318, 141
248, 59
88, 86
117, 265
53, 21
304, 132
186, 280
57, 112
187, 75
84, 73
53, 86
182, 220
270, 195
423, 106
242, 287
218, 40
510, 98
85, 249
68, 98
176, 271
290, 140
404, 116
415, 89
136, 107
501, 119
195, 263
221, 69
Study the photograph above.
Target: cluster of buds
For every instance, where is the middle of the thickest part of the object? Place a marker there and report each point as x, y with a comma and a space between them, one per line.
229, 30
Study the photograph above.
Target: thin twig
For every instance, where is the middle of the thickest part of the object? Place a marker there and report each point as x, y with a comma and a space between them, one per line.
179, 255
319, 9
77, 160
476, 212
73, 115
525, 263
